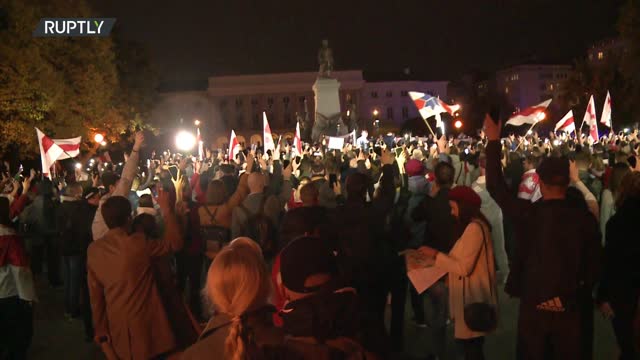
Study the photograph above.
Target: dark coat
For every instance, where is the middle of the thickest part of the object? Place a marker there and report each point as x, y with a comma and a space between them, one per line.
621, 273
73, 223
311, 220
439, 223
257, 325
558, 244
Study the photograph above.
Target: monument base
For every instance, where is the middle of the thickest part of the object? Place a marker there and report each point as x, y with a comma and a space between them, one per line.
328, 117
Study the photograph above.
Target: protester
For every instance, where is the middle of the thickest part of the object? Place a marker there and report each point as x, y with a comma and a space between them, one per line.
470, 265
607, 203
529, 188
619, 291
238, 289
124, 297
556, 264
17, 291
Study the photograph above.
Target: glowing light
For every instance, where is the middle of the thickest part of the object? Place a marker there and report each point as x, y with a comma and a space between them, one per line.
98, 138
197, 122
78, 166
556, 142
529, 132
104, 143
626, 130
375, 112
185, 141
541, 116
457, 124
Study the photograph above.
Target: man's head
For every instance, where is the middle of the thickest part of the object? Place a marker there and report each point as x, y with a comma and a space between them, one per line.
110, 181
309, 194
444, 175
583, 160
357, 184
116, 212
256, 182
216, 192
554, 177
307, 266
74, 190
145, 201
317, 169
531, 162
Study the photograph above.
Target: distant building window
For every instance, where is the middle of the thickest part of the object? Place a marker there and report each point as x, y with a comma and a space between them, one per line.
515, 77
600, 55
543, 87
405, 113
545, 76
506, 90
223, 104
238, 102
270, 101
374, 94
285, 99
389, 94
389, 113
404, 93
551, 87
287, 118
254, 101
240, 121
301, 99
256, 121
590, 56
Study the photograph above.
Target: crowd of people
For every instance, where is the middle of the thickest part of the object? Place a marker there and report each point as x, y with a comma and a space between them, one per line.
284, 255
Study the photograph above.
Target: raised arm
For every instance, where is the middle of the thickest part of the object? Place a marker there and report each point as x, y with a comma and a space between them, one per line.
383, 202
172, 240
243, 189
130, 168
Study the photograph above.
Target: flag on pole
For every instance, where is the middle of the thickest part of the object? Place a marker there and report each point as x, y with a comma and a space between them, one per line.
429, 106
530, 115
266, 134
234, 146
56, 149
567, 123
606, 112
439, 122
451, 109
353, 137
297, 143
591, 120
200, 144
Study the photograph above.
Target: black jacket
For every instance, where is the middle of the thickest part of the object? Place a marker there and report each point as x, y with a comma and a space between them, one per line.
436, 213
311, 220
558, 244
73, 223
621, 272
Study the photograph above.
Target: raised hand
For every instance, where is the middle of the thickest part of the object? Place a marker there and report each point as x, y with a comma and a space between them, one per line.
164, 201
574, 174
250, 161
139, 141
387, 157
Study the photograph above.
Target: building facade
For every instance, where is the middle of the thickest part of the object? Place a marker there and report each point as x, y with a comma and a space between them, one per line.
530, 84
237, 102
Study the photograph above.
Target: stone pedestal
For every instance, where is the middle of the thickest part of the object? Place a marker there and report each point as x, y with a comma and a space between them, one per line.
327, 109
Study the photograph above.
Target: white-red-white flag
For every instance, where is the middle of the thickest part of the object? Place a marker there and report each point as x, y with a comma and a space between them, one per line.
56, 149
266, 134
606, 112
567, 123
200, 144
234, 146
591, 120
297, 142
530, 115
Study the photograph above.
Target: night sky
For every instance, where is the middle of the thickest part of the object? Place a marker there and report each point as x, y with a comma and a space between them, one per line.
193, 39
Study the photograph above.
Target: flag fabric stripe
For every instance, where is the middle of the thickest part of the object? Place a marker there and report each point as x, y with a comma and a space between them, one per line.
266, 135
234, 146
590, 120
528, 115
567, 123
297, 142
606, 111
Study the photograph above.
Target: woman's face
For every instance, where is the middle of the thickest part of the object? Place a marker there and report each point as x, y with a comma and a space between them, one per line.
455, 211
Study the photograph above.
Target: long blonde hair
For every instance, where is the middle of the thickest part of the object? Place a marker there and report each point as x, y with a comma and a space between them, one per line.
237, 282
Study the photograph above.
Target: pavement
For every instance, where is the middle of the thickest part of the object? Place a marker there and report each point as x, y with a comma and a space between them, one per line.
57, 338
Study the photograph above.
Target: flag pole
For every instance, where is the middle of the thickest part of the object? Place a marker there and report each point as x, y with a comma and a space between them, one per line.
530, 128
429, 126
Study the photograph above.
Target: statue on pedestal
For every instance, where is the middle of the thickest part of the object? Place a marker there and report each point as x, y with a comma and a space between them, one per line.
325, 59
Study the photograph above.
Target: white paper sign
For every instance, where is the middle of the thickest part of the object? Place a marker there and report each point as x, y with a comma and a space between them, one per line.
424, 278
335, 143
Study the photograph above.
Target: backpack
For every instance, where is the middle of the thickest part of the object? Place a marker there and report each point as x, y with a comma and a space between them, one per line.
261, 229
214, 236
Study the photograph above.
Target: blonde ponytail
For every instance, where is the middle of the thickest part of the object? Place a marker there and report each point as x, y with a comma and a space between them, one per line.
234, 346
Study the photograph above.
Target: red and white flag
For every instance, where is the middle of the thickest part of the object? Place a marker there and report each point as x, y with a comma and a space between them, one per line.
606, 112
567, 123
530, 115
234, 146
56, 149
297, 142
266, 135
200, 144
591, 120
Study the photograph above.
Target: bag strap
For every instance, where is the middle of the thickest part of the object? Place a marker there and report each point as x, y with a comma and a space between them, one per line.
486, 256
212, 216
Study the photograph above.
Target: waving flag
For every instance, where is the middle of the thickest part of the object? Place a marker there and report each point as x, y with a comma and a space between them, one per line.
266, 135
606, 112
590, 120
56, 149
530, 115
200, 144
297, 143
567, 123
429, 106
451, 109
234, 146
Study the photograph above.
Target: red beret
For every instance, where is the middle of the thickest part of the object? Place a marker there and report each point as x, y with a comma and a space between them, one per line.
465, 195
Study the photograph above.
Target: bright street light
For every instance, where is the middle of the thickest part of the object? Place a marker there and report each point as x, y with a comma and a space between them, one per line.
78, 166
185, 141
197, 122
98, 138
375, 112
458, 124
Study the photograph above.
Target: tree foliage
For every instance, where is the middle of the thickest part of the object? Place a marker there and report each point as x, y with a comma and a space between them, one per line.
66, 86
